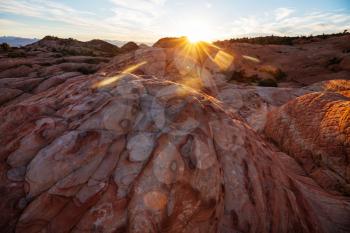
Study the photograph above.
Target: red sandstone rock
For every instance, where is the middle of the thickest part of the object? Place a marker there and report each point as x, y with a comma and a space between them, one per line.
157, 141
314, 129
141, 158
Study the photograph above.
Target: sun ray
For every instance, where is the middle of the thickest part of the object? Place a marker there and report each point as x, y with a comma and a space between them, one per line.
123, 73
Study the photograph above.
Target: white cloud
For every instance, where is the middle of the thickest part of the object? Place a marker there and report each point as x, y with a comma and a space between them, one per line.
208, 5
47, 10
146, 20
285, 24
136, 12
127, 17
141, 5
282, 13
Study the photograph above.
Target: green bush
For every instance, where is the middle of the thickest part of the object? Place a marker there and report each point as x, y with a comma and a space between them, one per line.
16, 54
5, 47
87, 70
334, 61
51, 38
281, 40
267, 83
279, 75
68, 52
241, 76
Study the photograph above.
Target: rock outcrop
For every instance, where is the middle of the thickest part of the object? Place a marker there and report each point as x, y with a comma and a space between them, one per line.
136, 156
50, 62
74, 47
160, 140
301, 64
314, 129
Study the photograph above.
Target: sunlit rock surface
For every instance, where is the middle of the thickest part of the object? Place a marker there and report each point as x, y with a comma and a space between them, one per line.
161, 140
303, 63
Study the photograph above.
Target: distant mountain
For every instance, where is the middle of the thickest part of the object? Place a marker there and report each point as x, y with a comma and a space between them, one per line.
120, 43
17, 41
20, 41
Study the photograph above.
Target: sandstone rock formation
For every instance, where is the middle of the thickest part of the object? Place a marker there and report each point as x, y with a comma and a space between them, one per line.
135, 156
75, 47
50, 62
161, 140
302, 63
314, 129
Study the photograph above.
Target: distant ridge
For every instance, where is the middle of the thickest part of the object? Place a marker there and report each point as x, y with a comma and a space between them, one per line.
14, 41
281, 40
120, 43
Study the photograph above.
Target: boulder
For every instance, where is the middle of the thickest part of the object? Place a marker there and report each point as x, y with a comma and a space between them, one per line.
314, 129
148, 155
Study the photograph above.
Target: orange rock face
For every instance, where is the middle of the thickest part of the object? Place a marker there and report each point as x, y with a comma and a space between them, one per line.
139, 158
143, 145
314, 129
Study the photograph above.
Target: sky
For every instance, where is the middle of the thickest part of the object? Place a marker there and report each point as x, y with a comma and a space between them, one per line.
149, 20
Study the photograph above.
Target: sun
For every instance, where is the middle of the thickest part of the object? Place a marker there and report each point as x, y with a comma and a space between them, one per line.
196, 31
195, 38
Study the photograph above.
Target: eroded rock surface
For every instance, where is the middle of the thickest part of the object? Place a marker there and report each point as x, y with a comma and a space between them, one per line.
303, 63
159, 140
315, 130
143, 159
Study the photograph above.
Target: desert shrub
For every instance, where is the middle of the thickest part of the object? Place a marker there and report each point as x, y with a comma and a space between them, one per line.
278, 40
68, 52
88, 53
96, 61
238, 75
16, 54
281, 40
334, 61
86, 70
276, 73
46, 64
279, 75
67, 42
57, 55
5, 47
241, 76
50, 38
267, 83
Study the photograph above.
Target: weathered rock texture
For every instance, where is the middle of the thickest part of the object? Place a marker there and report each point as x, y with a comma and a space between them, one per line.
49, 62
157, 141
315, 130
137, 157
302, 63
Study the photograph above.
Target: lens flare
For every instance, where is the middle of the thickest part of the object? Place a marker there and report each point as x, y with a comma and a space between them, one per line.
196, 31
123, 73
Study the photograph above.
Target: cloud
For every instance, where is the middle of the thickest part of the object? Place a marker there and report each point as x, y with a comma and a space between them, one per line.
147, 20
282, 13
127, 16
286, 24
47, 10
137, 17
137, 11
148, 6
